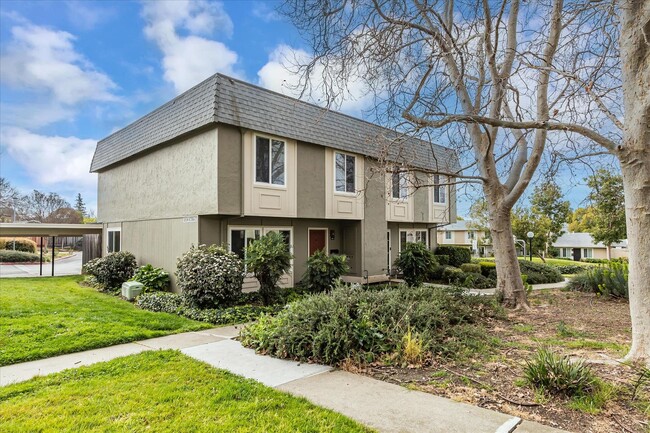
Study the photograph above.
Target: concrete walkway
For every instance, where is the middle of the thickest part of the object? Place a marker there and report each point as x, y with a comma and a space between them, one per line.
386, 407
560, 285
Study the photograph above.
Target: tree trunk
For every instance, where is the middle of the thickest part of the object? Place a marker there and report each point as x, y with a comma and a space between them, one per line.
510, 287
636, 181
634, 156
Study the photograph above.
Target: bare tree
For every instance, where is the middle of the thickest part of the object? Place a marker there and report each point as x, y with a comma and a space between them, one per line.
10, 201
499, 81
39, 205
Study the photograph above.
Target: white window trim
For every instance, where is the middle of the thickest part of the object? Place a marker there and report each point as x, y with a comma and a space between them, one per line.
399, 239
263, 230
269, 184
450, 234
444, 180
108, 233
406, 180
356, 165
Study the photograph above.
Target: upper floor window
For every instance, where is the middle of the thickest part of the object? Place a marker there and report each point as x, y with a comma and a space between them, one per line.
114, 243
400, 188
439, 189
269, 160
471, 235
345, 172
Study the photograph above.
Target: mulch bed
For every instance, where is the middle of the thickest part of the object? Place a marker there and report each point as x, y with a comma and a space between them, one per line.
579, 325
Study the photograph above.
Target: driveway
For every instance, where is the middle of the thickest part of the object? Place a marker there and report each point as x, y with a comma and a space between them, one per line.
65, 266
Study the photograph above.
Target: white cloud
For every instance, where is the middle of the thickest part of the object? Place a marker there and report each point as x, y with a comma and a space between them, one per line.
51, 160
44, 60
87, 16
281, 75
35, 115
264, 12
190, 59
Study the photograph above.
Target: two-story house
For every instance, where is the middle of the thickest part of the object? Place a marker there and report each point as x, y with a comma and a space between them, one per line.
227, 161
461, 233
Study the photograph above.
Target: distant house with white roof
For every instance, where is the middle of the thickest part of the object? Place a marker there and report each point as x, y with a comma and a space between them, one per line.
579, 246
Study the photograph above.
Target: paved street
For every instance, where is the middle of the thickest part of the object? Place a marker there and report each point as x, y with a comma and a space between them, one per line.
66, 266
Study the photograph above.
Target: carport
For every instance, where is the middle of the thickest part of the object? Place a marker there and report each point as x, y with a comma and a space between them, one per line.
91, 234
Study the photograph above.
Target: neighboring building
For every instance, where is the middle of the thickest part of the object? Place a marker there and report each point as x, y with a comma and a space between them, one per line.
579, 246
227, 162
462, 234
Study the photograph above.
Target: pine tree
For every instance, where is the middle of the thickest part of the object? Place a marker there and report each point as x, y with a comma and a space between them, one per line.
80, 206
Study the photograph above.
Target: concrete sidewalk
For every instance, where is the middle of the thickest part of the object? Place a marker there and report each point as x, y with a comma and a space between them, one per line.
386, 407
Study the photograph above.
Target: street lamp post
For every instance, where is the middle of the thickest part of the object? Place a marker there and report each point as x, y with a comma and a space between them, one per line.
530, 236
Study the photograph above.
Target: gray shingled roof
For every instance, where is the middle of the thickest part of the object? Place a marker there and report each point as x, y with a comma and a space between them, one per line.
582, 240
221, 99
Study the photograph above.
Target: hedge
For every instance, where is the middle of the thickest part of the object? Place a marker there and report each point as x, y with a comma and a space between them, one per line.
457, 255
9, 256
21, 244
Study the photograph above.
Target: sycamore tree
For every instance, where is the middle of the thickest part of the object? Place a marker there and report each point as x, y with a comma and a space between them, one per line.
499, 80
582, 219
608, 207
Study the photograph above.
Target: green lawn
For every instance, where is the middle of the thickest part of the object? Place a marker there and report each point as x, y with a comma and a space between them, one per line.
43, 317
549, 261
161, 391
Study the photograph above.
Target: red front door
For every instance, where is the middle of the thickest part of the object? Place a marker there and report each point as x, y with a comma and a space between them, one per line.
317, 240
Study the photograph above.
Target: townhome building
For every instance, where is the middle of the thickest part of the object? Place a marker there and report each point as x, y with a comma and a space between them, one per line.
227, 162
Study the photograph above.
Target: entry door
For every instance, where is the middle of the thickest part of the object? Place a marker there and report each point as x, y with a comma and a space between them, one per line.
317, 240
576, 254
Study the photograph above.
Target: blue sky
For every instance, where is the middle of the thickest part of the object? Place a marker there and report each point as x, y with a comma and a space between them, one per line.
72, 72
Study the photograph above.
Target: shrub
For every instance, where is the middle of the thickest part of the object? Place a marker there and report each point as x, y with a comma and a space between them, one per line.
557, 374
570, 269
442, 259
471, 268
210, 276
111, 270
323, 271
366, 325
153, 279
609, 281
450, 274
487, 267
21, 244
598, 261
20, 256
457, 255
415, 261
540, 273
268, 258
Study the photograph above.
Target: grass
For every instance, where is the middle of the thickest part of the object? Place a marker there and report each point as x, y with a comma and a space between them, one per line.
160, 392
44, 317
549, 261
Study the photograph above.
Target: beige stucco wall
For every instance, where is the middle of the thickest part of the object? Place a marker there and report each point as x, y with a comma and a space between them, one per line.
373, 227
340, 205
172, 181
159, 242
311, 180
421, 198
230, 170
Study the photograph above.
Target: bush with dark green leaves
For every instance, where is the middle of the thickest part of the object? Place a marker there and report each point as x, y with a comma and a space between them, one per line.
557, 374
487, 267
323, 271
415, 262
210, 276
9, 256
18, 244
268, 258
598, 261
350, 322
110, 271
570, 268
153, 279
442, 259
540, 273
457, 255
608, 281
470, 268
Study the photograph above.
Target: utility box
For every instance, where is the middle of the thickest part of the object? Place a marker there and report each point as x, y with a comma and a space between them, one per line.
131, 289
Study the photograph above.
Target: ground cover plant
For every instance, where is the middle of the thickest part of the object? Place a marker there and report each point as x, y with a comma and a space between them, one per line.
353, 323
161, 391
580, 325
175, 303
153, 279
44, 317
